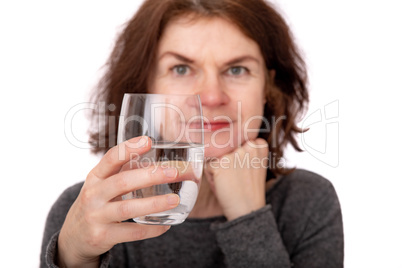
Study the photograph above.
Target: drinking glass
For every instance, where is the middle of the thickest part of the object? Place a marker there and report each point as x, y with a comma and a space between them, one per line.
174, 124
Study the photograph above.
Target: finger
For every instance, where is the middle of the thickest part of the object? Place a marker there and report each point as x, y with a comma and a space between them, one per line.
132, 208
132, 164
129, 231
139, 178
259, 148
130, 180
187, 170
117, 156
256, 144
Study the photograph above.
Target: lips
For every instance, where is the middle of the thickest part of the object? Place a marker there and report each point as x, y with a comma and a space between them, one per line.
211, 126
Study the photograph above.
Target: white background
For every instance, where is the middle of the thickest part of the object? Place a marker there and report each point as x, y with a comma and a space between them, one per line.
50, 56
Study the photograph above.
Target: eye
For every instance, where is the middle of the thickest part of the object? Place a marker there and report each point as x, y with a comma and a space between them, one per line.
237, 70
181, 69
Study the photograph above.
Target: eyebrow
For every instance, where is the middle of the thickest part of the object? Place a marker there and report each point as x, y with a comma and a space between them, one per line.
177, 56
231, 62
242, 59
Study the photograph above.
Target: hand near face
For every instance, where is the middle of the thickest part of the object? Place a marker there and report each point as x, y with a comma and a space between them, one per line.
238, 179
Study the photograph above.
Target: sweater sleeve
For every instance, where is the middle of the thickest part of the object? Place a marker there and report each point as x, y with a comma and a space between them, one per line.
54, 222
252, 241
300, 227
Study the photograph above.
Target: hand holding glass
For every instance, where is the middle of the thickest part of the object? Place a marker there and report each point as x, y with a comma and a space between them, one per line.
174, 124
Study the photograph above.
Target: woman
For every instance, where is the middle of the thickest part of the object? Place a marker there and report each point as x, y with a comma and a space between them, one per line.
238, 55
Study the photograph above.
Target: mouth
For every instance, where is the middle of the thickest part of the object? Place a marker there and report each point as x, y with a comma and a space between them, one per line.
211, 126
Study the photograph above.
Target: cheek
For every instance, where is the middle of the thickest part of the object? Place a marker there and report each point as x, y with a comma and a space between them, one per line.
247, 126
251, 128
244, 130
226, 142
165, 83
252, 118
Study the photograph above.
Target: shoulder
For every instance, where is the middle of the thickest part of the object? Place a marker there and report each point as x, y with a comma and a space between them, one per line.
307, 211
57, 215
303, 193
62, 205
307, 178
302, 183
60, 208
68, 196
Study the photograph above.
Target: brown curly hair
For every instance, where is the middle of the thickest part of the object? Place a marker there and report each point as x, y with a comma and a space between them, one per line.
133, 58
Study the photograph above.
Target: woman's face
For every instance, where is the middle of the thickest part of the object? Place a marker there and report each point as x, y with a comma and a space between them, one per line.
213, 58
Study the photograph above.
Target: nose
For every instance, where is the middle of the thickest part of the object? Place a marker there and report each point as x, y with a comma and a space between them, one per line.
212, 92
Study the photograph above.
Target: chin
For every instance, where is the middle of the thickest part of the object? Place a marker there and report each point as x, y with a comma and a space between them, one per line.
219, 145
224, 144
220, 149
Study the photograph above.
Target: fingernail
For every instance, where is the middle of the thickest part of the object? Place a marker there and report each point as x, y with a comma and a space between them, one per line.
170, 172
173, 199
136, 143
143, 141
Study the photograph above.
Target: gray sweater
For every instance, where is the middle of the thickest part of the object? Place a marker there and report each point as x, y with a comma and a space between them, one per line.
301, 226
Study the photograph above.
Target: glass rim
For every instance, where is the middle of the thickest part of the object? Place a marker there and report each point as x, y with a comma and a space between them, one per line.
127, 96
158, 94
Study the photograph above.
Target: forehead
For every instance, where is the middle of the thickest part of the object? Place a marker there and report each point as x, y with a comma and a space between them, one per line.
192, 34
